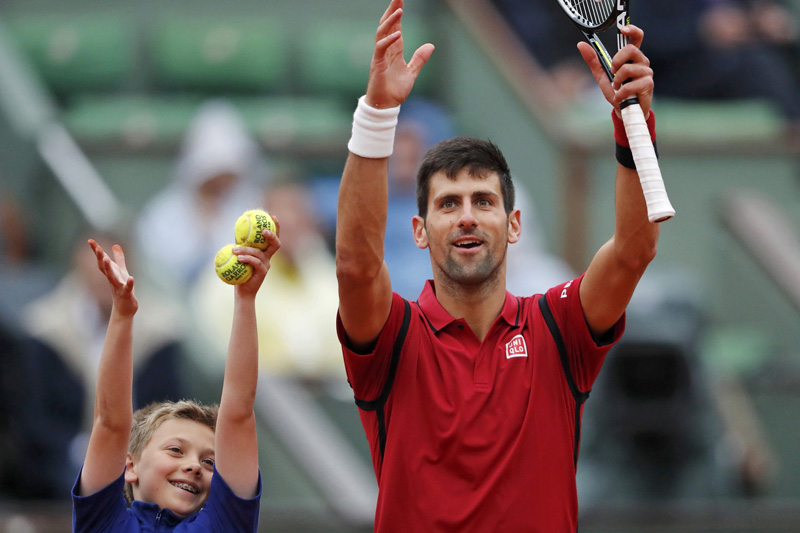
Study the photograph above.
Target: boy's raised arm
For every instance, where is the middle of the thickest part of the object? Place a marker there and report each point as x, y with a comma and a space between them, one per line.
236, 441
113, 409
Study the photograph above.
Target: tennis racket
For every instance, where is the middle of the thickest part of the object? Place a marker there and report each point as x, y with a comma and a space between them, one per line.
592, 16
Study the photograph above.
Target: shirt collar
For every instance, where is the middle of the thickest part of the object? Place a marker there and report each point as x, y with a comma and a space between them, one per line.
438, 318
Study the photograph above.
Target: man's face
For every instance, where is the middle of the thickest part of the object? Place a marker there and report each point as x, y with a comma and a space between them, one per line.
175, 467
466, 228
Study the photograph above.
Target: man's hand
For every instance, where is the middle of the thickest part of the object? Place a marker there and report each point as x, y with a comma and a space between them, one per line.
390, 78
629, 65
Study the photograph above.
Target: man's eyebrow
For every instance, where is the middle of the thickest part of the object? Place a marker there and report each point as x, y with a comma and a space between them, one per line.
475, 194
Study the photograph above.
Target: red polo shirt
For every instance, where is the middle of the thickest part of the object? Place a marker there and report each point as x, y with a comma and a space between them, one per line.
476, 436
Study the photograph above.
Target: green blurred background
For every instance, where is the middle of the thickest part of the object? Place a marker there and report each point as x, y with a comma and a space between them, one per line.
124, 79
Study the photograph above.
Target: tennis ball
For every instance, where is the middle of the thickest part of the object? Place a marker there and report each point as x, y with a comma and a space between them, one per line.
249, 227
228, 267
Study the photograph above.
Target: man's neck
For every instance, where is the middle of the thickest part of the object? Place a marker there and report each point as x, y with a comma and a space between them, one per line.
478, 305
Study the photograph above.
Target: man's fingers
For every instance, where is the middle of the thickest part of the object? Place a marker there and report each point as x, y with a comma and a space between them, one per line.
631, 71
587, 53
394, 5
390, 25
629, 55
634, 33
639, 87
590, 57
382, 45
420, 57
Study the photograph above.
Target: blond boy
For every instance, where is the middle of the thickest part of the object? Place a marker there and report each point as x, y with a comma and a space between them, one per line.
184, 466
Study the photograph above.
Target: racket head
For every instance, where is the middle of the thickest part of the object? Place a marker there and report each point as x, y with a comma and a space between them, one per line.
591, 15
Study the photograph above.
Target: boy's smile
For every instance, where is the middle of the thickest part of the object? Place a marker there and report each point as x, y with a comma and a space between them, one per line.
175, 467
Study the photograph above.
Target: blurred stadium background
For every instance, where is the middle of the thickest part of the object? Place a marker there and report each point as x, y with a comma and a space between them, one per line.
693, 424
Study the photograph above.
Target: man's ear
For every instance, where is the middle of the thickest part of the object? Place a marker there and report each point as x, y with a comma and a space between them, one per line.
420, 234
130, 470
514, 226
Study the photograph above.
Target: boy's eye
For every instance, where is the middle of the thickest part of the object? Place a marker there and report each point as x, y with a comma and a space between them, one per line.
174, 449
209, 462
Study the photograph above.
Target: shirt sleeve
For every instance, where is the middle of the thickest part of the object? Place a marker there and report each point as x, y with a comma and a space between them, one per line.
585, 355
224, 511
367, 373
102, 511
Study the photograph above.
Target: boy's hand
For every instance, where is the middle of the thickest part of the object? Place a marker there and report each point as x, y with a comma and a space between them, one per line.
116, 273
258, 259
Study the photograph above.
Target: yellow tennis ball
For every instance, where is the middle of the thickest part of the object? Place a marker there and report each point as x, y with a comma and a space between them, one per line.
228, 267
249, 227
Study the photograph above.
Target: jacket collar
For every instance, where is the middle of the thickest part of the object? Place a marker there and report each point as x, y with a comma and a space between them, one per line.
148, 513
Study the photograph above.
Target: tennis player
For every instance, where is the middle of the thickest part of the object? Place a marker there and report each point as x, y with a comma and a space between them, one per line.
471, 397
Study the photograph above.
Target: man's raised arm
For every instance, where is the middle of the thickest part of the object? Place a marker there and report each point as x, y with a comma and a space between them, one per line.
620, 263
365, 293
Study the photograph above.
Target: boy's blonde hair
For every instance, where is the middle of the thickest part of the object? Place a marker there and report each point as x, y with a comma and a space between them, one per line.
148, 419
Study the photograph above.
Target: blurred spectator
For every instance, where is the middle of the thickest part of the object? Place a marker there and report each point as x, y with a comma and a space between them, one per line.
13, 237
723, 49
701, 49
296, 313
51, 395
552, 39
530, 267
658, 431
21, 279
422, 124
217, 176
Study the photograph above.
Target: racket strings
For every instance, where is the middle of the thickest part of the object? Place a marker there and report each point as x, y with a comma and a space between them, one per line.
591, 13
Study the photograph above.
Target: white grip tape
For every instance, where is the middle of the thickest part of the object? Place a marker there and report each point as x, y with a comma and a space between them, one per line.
644, 155
373, 131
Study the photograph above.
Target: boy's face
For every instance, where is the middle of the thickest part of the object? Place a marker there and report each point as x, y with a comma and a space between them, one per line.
466, 229
175, 467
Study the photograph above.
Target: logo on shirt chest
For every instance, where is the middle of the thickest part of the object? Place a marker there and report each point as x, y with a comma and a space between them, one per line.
516, 347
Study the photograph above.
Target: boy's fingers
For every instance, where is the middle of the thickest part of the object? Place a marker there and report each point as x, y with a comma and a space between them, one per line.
119, 256
277, 225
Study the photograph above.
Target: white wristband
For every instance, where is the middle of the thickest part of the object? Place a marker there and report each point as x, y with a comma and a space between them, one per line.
373, 130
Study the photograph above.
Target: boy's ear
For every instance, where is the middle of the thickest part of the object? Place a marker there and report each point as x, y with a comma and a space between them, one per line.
130, 470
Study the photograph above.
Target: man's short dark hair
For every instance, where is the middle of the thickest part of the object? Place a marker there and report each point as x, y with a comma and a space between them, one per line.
479, 157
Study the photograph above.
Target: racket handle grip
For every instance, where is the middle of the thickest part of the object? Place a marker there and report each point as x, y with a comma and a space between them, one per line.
659, 208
